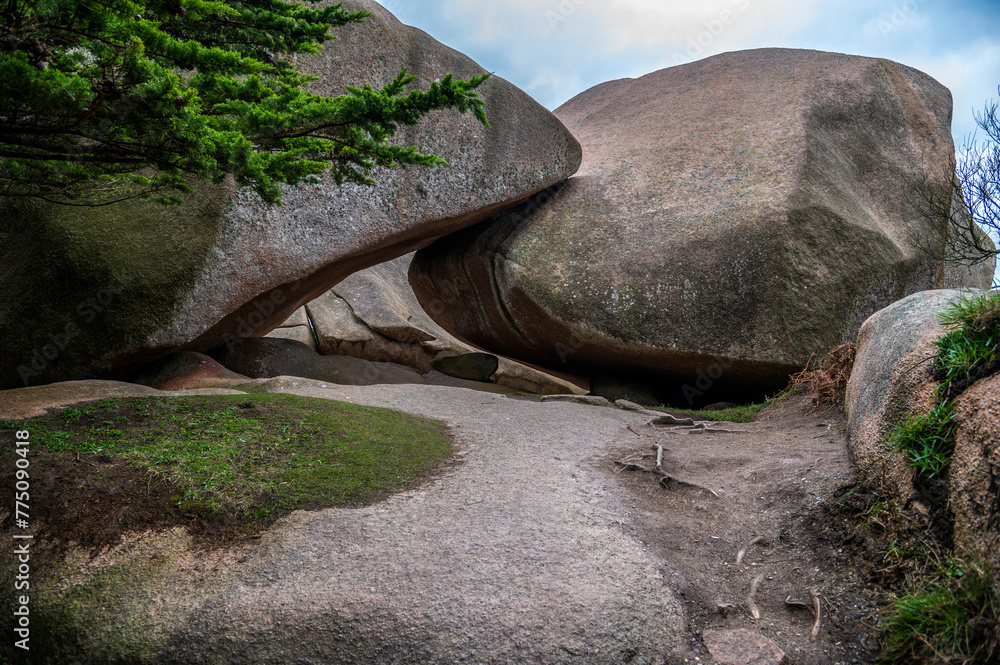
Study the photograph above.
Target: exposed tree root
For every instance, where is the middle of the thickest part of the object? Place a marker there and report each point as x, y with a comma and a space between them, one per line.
752, 598
743, 550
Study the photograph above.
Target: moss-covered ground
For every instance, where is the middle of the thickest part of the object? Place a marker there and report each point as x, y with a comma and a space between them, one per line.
224, 465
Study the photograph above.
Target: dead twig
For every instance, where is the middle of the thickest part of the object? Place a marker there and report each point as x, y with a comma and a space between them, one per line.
632, 466
743, 550
634, 432
752, 598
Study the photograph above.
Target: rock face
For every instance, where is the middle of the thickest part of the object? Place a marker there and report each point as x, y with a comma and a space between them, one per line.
732, 217
374, 315
95, 292
975, 474
268, 357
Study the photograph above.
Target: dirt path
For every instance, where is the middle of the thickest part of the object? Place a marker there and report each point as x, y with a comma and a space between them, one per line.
779, 478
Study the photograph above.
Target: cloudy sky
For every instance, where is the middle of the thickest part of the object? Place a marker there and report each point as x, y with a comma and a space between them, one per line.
554, 49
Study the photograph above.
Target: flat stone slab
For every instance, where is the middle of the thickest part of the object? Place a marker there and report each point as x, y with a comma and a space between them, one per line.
520, 553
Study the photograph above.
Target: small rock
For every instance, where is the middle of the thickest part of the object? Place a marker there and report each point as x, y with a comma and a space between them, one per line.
471, 366
741, 647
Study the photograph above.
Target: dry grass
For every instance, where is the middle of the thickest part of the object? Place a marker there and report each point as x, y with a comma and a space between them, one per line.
828, 383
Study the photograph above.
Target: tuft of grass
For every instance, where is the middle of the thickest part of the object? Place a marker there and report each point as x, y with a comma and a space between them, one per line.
957, 621
736, 414
253, 455
971, 351
926, 439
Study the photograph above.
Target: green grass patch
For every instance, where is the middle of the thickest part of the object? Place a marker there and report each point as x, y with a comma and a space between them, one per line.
252, 454
927, 440
971, 351
957, 621
736, 414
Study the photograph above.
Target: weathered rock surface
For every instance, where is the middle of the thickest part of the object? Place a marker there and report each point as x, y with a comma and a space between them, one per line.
374, 315
732, 217
184, 370
513, 555
96, 292
892, 380
471, 366
975, 471
268, 357
296, 327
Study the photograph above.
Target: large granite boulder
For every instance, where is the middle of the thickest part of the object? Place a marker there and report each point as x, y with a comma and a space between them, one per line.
732, 217
893, 380
374, 315
95, 292
185, 370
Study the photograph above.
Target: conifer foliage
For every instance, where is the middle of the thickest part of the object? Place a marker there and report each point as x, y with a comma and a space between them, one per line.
105, 100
